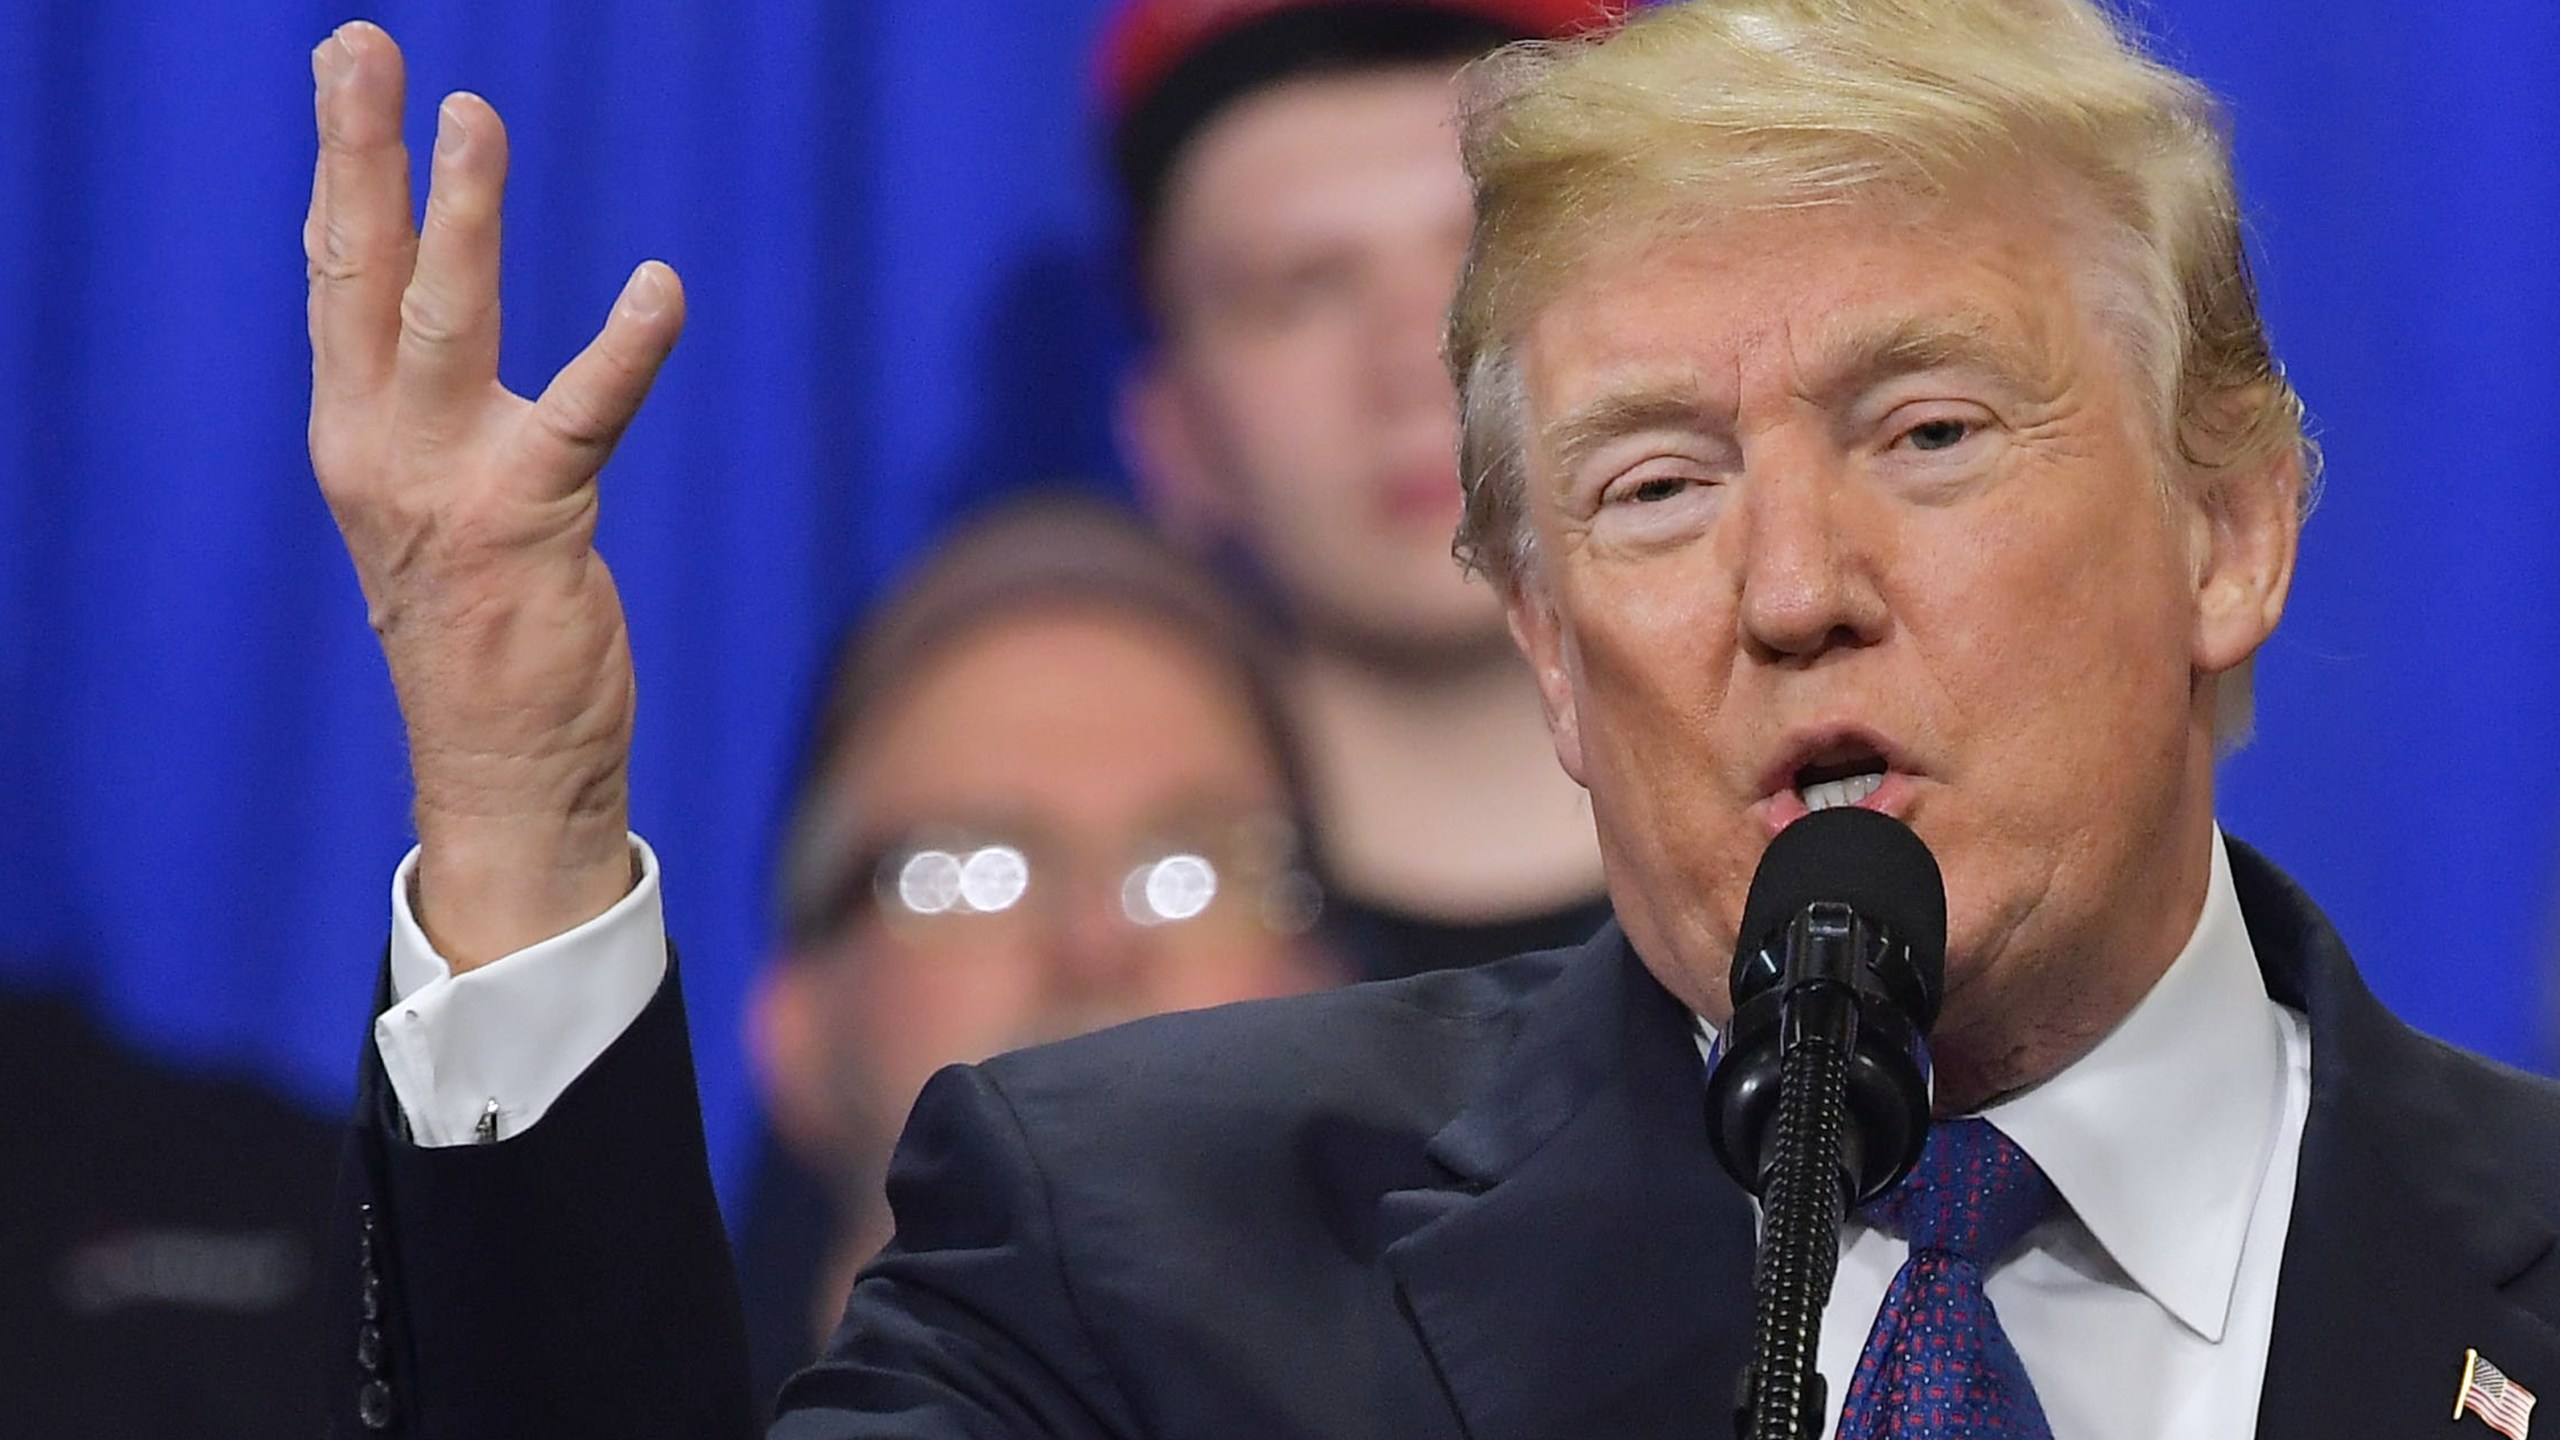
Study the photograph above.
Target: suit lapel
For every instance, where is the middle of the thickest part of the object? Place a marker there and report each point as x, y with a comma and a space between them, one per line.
2402, 1243
1587, 1268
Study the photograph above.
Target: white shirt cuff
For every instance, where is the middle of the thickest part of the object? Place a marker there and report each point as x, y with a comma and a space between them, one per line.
483, 1055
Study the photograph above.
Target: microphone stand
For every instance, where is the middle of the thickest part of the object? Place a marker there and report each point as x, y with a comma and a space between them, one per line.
1818, 1094
1805, 1193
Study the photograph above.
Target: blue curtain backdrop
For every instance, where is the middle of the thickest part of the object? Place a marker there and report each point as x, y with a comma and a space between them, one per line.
896, 244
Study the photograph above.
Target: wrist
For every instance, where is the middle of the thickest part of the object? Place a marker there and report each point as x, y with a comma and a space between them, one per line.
486, 887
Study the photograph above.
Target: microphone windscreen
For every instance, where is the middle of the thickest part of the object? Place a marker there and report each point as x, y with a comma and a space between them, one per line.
1863, 859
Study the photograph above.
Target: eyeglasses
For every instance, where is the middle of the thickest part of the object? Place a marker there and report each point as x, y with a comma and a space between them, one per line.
943, 878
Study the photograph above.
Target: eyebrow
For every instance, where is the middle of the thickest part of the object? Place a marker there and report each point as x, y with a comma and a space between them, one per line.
1572, 437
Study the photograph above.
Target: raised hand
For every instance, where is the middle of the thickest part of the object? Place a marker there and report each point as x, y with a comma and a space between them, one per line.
470, 512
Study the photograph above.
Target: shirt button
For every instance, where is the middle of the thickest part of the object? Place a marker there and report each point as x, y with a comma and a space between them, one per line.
373, 1405
369, 1347
372, 1297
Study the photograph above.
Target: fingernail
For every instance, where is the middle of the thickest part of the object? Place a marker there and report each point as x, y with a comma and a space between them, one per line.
331, 61
647, 296
451, 133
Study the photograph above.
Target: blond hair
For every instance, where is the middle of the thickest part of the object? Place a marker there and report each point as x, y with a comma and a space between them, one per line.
1745, 105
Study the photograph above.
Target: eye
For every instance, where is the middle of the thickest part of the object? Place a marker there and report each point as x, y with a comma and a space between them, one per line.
1654, 480
1664, 500
1942, 434
1317, 286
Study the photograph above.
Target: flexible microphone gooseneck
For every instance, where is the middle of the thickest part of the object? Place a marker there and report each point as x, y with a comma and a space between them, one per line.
1818, 1094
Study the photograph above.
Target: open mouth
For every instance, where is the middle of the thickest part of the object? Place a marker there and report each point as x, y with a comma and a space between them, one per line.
1843, 779
1827, 765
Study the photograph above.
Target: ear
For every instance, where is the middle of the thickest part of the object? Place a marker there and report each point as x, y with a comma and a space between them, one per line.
1539, 632
784, 1025
1162, 435
2247, 531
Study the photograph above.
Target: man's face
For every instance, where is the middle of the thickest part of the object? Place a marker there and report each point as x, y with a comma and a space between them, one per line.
1307, 249
1089, 744
1860, 495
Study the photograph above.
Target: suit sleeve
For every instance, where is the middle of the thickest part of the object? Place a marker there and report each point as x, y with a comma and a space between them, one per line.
570, 1282
967, 1325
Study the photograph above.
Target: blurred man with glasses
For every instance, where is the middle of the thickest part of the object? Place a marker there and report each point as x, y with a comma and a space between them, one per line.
1049, 791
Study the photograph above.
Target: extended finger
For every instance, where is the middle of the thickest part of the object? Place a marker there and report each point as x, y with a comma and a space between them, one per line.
313, 240
449, 313
583, 412
357, 239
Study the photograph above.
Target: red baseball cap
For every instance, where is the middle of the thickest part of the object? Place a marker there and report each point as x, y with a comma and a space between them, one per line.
1165, 67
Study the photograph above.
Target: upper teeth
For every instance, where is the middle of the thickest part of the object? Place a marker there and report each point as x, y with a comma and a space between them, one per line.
1848, 790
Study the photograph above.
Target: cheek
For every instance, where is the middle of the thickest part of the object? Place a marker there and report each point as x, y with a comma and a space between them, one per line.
1652, 659
2059, 676
2062, 616
1655, 667
1286, 412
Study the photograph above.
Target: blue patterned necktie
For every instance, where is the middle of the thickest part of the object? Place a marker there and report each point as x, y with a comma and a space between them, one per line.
1937, 1365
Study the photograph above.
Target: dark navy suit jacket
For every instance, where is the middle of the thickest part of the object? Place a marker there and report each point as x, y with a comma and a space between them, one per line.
1473, 1204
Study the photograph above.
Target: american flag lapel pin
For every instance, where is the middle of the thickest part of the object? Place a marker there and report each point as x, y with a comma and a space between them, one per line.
2502, 1404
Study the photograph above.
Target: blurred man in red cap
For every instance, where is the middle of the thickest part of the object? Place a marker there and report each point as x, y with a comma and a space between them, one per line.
1298, 214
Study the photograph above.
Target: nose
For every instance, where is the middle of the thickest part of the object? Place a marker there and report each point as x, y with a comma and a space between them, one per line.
1807, 565
1098, 953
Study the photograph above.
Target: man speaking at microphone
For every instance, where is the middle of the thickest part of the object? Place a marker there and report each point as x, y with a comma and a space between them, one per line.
1863, 404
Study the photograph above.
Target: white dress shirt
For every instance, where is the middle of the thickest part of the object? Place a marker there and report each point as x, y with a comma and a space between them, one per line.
2142, 1310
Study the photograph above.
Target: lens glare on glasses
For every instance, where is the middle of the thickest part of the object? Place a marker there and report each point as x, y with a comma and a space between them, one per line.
1176, 887
984, 881
993, 878
953, 875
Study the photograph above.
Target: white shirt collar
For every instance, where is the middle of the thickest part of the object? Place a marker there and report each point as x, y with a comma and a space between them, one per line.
2159, 1137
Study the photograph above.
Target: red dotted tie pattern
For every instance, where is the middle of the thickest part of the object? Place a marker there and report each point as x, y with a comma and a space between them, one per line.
1937, 1365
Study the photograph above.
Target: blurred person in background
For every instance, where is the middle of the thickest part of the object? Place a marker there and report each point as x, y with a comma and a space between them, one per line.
1298, 215
1049, 790
160, 1234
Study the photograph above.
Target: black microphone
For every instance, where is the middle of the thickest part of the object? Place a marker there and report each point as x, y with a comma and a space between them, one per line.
1818, 1091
